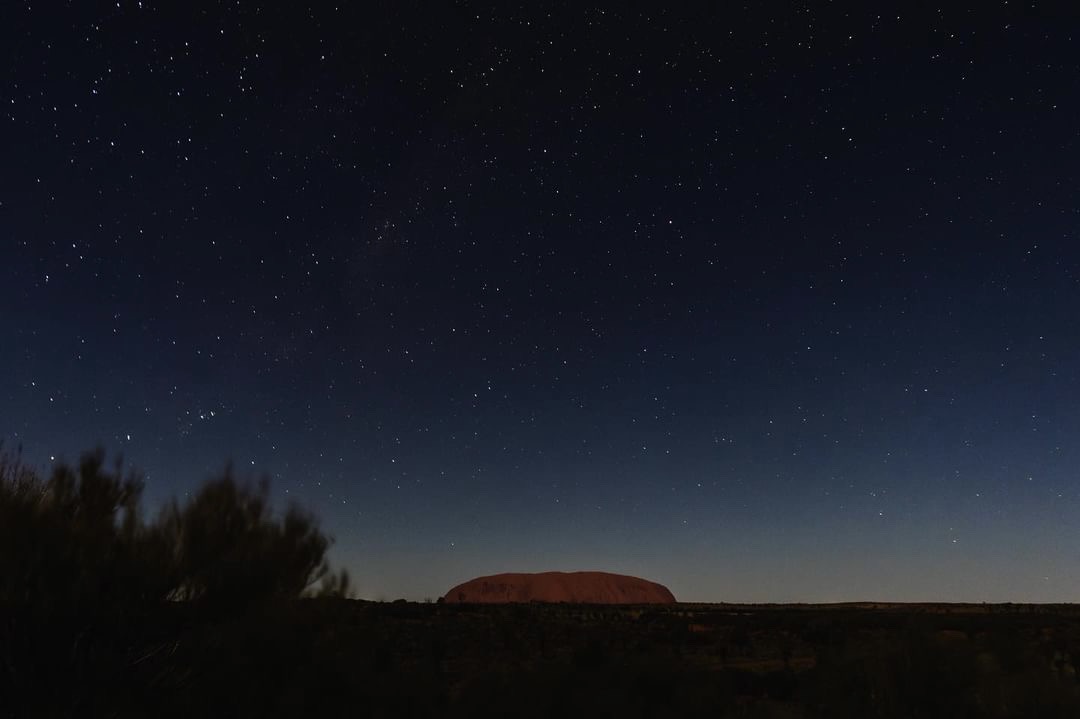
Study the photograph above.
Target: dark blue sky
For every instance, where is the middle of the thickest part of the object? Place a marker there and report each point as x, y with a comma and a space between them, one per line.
769, 304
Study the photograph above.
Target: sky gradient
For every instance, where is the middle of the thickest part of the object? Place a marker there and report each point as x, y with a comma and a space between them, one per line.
774, 304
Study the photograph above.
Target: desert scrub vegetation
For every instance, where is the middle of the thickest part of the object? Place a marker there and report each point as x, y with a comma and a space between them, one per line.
77, 539
101, 606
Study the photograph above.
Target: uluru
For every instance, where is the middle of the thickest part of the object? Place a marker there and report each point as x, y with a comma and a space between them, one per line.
554, 587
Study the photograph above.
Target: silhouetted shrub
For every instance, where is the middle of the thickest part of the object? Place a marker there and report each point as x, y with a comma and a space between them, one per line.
229, 549
77, 540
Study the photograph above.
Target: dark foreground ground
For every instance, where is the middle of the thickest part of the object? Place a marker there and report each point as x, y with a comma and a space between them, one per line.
401, 660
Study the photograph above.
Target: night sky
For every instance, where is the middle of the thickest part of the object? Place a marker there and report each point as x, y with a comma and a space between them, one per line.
765, 304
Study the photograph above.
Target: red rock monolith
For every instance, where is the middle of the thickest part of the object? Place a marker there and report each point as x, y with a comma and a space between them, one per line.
570, 587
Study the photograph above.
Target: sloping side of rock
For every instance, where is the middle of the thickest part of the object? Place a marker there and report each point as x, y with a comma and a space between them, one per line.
571, 587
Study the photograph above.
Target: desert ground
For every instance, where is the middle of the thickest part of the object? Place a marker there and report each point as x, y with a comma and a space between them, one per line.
395, 659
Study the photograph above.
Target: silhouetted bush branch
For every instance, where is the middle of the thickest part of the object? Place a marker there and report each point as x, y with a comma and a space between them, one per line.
77, 539
228, 548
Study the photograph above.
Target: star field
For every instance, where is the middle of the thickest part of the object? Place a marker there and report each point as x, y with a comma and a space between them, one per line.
764, 304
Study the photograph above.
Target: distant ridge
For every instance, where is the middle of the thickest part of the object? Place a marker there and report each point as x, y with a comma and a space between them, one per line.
555, 587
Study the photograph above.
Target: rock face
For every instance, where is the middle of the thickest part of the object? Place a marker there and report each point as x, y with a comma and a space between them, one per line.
572, 587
